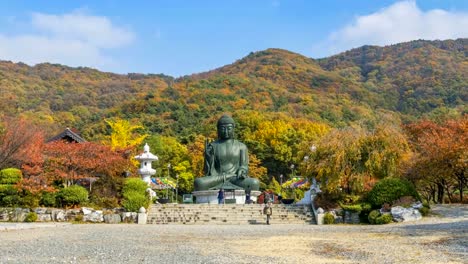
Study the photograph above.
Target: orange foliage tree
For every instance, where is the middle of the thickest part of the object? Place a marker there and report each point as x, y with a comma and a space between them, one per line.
441, 161
66, 163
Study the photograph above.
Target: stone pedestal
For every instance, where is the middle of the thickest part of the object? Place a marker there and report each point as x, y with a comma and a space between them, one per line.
211, 196
142, 216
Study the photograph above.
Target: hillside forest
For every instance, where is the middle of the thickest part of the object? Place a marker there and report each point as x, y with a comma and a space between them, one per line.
348, 120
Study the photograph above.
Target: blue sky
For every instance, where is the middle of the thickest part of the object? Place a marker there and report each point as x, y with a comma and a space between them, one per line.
184, 37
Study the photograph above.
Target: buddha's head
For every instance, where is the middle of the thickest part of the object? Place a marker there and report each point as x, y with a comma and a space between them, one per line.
225, 127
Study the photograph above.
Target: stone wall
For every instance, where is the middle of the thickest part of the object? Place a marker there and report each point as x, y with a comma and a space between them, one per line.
112, 216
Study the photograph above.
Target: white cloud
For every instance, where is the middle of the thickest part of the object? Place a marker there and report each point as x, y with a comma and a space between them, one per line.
73, 39
400, 22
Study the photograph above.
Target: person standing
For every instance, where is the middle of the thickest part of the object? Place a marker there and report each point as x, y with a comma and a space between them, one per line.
268, 211
221, 196
247, 195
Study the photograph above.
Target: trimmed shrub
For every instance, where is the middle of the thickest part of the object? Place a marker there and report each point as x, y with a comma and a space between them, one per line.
31, 217
48, 199
10, 176
328, 218
134, 195
373, 217
11, 201
389, 190
352, 208
9, 196
73, 195
384, 219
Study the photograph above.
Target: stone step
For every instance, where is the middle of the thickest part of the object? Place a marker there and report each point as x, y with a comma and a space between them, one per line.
227, 214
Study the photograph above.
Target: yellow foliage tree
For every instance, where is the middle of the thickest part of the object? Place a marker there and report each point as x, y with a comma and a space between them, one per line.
124, 136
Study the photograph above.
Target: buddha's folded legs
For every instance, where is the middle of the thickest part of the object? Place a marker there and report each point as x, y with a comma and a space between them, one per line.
247, 183
205, 183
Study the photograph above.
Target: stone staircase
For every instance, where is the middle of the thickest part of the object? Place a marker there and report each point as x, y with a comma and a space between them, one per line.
228, 214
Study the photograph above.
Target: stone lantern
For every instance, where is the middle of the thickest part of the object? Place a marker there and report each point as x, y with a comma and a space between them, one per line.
145, 160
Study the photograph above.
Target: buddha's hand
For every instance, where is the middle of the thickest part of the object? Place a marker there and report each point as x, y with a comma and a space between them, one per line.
241, 174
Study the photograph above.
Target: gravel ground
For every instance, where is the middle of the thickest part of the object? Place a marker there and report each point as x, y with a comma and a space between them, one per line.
438, 239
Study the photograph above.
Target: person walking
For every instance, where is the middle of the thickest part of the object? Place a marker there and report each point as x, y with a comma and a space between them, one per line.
221, 196
268, 211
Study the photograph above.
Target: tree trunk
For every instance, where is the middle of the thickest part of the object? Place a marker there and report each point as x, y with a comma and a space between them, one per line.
440, 193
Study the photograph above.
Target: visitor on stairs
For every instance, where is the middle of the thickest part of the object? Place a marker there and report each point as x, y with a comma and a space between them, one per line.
268, 211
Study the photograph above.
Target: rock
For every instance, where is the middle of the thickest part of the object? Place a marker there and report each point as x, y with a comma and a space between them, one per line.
71, 214
338, 219
86, 211
40, 210
112, 218
19, 214
58, 215
417, 205
44, 218
94, 216
129, 217
351, 217
401, 214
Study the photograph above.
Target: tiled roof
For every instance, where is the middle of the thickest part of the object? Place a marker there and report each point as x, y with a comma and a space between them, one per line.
69, 135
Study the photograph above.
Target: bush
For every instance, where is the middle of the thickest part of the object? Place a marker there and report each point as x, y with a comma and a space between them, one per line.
352, 208
364, 215
107, 192
389, 190
426, 204
10, 176
30, 201
133, 201
373, 217
328, 218
48, 199
424, 211
134, 195
73, 195
31, 217
11, 201
105, 202
384, 219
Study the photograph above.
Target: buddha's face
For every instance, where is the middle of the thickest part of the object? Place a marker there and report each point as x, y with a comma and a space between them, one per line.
226, 131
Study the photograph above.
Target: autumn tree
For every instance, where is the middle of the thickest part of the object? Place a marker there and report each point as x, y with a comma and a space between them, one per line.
18, 140
276, 142
440, 164
66, 163
348, 158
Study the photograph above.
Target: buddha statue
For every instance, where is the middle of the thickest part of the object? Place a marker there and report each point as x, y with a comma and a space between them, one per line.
226, 159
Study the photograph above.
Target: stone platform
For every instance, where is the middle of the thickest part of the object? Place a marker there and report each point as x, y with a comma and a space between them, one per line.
211, 196
228, 214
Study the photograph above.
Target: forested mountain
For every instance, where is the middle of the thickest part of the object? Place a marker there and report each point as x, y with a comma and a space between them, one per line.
407, 80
